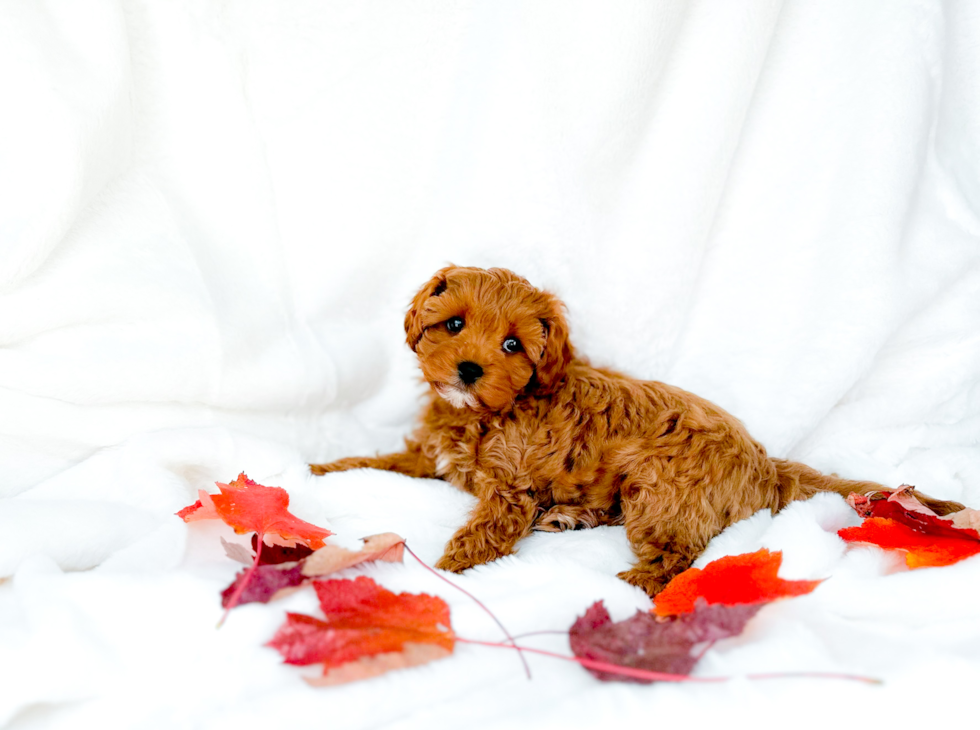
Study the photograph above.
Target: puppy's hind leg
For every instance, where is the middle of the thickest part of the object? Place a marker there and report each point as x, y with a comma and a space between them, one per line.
411, 462
656, 539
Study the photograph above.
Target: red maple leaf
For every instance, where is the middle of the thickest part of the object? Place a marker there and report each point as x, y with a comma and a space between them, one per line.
733, 580
901, 522
367, 630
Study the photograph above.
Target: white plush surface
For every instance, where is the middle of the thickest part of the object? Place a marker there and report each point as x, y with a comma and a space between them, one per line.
212, 216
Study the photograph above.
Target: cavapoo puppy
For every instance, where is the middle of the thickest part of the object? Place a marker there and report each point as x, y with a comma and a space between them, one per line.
546, 441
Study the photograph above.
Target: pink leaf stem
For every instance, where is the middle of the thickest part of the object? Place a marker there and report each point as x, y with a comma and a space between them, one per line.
233, 601
663, 676
512, 643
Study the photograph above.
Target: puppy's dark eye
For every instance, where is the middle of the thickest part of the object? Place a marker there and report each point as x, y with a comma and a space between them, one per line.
454, 324
512, 345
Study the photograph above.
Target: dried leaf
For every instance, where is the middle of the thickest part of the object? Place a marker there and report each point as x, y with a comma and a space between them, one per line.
656, 645
905, 498
364, 620
732, 580
329, 559
966, 519
238, 552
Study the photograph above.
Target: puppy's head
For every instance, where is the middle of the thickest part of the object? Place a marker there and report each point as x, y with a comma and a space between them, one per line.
484, 336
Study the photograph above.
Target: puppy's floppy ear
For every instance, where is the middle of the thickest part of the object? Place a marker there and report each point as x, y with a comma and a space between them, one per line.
557, 353
413, 318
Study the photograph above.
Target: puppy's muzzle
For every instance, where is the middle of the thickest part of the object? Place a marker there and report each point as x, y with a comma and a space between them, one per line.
469, 372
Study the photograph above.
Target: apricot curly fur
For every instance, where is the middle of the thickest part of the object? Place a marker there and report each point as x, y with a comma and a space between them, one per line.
546, 441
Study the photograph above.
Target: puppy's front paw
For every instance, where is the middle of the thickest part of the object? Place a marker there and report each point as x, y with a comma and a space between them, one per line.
449, 563
650, 581
558, 519
465, 553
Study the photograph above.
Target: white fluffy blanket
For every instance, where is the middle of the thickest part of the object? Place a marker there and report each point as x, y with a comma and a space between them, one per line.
213, 214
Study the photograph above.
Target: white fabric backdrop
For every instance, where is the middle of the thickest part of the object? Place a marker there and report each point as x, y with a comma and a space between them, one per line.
212, 216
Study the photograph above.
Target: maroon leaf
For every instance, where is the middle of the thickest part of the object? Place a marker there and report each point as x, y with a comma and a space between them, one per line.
644, 642
266, 581
274, 554
271, 554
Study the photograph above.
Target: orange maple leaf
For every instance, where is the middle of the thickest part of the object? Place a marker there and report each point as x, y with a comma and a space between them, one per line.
922, 549
202, 509
732, 580
368, 630
248, 506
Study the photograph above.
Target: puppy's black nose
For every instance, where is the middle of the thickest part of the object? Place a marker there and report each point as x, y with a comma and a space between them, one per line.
469, 372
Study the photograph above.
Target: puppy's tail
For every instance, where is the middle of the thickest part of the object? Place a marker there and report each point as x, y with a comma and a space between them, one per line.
799, 481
